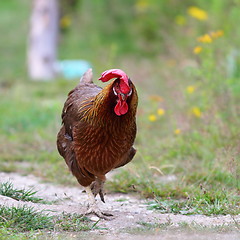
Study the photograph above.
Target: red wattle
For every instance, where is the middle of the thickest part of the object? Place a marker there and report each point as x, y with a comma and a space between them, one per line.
121, 108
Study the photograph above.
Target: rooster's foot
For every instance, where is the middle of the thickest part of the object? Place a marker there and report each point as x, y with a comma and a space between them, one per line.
93, 209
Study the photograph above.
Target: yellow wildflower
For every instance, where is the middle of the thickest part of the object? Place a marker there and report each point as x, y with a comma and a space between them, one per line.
197, 49
65, 21
156, 98
152, 118
196, 112
198, 13
177, 131
161, 111
142, 5
180, 20
217, 34
190, 89
206, 38
171, 62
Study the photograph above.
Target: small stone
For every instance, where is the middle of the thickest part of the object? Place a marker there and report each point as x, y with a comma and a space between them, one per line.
131, 217
94, 218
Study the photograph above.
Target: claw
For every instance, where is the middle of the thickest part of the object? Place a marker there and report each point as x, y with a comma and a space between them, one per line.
97, 188
96, 211
101, 196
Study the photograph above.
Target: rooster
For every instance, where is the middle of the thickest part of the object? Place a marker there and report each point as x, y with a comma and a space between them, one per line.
98, 131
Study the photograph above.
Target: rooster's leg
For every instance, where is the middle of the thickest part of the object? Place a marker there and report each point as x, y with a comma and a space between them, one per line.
93, 207
97, 188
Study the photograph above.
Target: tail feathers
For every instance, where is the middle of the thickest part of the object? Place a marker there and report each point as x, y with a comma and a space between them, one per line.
87, 77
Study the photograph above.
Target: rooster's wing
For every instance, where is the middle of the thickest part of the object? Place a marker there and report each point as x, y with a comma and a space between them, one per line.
70, 119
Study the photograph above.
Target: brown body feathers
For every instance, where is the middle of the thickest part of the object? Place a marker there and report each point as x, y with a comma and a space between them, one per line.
93, 140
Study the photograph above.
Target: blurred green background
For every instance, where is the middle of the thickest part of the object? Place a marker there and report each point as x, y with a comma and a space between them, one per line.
184, 59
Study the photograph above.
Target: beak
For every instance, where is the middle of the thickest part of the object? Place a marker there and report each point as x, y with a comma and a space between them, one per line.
123, 96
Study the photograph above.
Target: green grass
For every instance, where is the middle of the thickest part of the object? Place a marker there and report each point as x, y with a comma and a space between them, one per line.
8, 234
203, 204
7, 189
15, 221
26, 223
21, 219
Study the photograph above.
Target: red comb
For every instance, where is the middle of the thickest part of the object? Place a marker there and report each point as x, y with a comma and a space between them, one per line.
116, 73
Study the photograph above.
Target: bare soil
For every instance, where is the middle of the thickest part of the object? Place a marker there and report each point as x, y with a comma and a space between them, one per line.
128, 211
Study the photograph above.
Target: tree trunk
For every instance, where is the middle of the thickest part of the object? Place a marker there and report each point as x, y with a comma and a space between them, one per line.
43, 39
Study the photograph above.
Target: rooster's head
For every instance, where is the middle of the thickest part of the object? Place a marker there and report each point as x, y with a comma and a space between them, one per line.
122, 88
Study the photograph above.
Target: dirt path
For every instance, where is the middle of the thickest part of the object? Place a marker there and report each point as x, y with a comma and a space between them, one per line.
127, 209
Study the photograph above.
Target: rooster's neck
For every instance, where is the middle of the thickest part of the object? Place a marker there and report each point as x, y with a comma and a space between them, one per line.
100, 110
